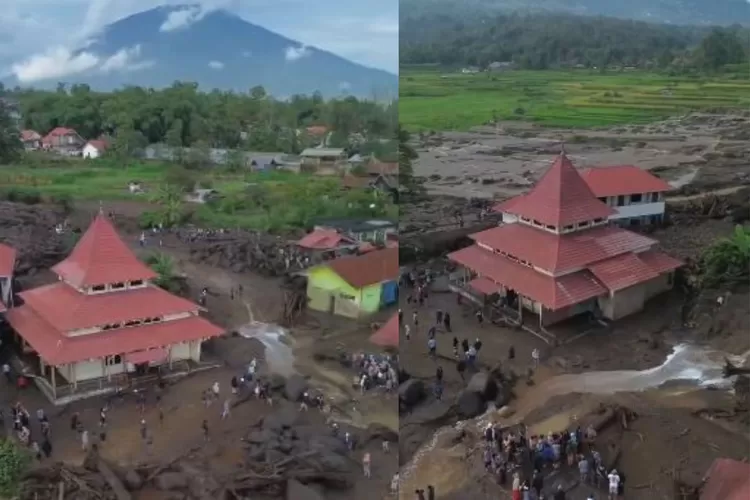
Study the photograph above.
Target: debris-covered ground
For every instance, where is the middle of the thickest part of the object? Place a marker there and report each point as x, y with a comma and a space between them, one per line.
697, 152
679, 427
261, 450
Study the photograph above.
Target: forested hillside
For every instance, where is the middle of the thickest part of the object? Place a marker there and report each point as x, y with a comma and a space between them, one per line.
687, 12
548, 40
181, 115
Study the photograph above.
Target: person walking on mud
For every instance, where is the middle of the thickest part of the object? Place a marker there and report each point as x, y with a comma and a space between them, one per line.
432, 347
366, 465
447, 321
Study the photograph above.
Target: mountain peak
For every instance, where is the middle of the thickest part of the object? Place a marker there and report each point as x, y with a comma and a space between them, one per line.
217, 49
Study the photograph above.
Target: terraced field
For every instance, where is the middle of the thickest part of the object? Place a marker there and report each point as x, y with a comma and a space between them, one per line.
431, 99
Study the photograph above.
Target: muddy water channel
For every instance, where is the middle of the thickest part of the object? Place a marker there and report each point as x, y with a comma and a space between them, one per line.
688, 367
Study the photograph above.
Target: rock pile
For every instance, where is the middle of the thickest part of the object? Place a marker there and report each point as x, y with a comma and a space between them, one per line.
246, 251
30, 229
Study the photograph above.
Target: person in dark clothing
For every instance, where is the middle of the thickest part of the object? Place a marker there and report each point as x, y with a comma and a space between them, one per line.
47, 448
511, 352
420, 494
439, 317
537, 483
559, 494
465, 345
477, 345
621, 486
447, 321
461, 368
430, 492
439, 374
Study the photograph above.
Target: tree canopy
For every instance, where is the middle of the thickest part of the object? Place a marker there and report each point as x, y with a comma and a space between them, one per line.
181, 115
10, 141
542, 41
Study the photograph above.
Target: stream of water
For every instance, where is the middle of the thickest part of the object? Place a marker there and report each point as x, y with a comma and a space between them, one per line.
279, 353
690, 364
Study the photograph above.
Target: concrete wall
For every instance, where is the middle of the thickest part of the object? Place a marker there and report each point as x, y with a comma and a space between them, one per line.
94, 369
624, 302
659, 285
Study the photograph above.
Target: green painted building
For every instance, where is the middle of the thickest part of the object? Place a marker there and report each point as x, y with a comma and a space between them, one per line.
355, 286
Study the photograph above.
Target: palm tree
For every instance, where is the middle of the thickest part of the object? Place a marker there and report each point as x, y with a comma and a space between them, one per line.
163, 266
169, 199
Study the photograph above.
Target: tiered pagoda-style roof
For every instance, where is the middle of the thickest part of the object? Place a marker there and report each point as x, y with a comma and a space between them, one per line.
104, 305
561, 251
560, 198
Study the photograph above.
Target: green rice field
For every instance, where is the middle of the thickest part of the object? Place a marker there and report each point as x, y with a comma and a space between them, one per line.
435, 99
253, 200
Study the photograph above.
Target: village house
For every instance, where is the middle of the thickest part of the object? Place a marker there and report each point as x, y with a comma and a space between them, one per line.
95, 149
636, 194
7, 266
323, 161
354, 286
104, 321
560, 257
327, 243
64, 141
388, 334
31, 139
370, 230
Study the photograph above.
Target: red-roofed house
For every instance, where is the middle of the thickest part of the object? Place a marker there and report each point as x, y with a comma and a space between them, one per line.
63, 140
31, 140
104, 317
387, 335
557, 256
637, 195
355, 286
7, 266
95, 149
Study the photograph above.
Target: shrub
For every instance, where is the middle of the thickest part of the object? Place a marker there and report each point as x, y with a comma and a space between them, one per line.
13, 462
727, 260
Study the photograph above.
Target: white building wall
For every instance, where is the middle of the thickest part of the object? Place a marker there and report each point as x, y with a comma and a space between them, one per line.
639, 210
90, 151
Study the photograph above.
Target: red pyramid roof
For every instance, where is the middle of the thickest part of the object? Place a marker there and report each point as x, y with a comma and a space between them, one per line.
101, 257
560, 198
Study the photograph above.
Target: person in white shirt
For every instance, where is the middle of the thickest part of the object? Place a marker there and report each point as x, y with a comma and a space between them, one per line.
614, 484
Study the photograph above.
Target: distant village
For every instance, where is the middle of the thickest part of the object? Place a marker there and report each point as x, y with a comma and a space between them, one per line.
355, 170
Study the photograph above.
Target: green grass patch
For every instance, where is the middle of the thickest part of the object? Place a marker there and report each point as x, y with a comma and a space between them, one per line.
435, 99
272, 201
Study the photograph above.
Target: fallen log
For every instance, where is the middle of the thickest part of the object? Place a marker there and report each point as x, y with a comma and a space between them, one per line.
112, 480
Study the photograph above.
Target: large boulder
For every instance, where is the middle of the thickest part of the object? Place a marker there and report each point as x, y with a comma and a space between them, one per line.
411, 392
470, 404
295, 387
484, 384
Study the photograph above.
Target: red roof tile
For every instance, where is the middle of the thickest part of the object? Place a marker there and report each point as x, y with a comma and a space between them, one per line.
69, 309
484, 285
99, 144
102, 257
622, 271
621, 180
727, 479
659, 262
58, 132
553, 293
57, 349
560, 198
7, 260
323, 239
559, 253
30, 135
387, 335
368, 269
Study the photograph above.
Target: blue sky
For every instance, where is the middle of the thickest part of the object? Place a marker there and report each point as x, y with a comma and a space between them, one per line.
44, 31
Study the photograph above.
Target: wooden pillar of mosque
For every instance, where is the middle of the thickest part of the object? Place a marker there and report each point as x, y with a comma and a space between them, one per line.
41, 366
520, 308
541, 311
54, 382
